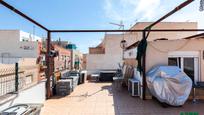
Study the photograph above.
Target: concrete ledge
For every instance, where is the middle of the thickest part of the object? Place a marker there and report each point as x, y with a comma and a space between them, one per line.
6, 98
34, 94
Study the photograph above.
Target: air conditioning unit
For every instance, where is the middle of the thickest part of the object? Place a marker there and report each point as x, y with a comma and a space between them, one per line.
134, 87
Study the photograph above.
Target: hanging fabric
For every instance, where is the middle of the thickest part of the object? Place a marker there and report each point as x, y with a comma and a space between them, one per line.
140, 52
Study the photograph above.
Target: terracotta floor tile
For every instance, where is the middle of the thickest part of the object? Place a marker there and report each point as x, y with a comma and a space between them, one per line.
103, 99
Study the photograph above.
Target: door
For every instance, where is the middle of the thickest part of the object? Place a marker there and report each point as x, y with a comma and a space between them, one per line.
187, 64
189, 67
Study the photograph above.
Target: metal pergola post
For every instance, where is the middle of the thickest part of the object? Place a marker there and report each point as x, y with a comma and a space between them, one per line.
48, 72
144, 70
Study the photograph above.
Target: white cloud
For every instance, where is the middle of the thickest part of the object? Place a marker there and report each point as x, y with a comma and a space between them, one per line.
150, 10
131, 10
147, 5
110, 11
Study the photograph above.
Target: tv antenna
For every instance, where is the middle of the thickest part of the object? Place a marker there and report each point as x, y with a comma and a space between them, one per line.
121, 25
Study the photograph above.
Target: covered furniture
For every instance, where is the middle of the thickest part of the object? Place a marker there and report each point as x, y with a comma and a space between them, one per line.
169, 85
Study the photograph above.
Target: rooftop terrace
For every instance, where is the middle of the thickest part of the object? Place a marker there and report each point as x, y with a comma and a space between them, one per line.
104, 99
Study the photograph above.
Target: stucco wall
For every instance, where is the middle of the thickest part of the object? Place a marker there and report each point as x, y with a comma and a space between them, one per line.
132, 62
157, 52
166, 25
10, 44
9, 41
103, 61
112, 56
35, 94
113, 52
131, 53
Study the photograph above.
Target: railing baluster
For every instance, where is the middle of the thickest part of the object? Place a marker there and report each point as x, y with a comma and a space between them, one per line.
16, 77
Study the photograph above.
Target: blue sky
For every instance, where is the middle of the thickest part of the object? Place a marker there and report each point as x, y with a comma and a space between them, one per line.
92, 14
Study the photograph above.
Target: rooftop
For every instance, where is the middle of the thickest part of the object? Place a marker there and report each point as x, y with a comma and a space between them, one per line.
104, 99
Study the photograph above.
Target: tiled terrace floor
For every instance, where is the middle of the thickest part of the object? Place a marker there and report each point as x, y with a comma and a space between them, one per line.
102, 99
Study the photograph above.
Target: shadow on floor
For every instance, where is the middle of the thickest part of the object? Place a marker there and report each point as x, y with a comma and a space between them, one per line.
125, 104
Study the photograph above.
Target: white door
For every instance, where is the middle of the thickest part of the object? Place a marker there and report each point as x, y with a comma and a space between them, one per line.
190, 65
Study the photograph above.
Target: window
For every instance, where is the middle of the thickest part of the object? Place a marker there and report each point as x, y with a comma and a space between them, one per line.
188, 63
174, 61
188, 67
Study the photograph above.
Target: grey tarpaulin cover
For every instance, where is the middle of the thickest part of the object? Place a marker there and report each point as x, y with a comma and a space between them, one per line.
169, 84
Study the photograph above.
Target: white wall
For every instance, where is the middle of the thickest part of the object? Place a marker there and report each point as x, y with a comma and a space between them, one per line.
166, 25
113, 52
11, 46
32, 52
29, 37
111, 58
131, 53
35, 94
103, 61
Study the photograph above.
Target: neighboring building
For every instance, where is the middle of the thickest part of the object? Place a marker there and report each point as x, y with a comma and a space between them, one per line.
63, 60
84, 61
108, 54
60, 43
76, 57
16, 44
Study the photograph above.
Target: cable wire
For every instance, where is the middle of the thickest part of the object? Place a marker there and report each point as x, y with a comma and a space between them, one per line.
166, 51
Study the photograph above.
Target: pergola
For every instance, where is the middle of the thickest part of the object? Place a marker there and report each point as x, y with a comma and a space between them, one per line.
145, 32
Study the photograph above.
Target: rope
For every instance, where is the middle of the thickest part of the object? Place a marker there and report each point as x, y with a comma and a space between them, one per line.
166, 51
